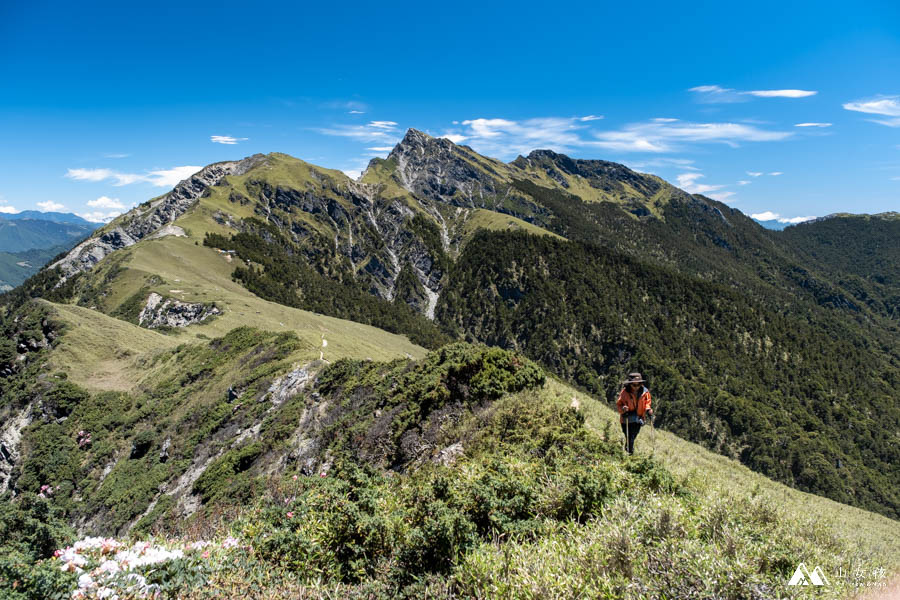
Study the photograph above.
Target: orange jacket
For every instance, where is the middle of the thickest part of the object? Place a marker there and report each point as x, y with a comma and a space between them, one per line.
628, 402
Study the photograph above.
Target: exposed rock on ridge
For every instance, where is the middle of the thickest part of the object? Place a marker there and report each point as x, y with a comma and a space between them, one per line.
168, 312
142, 222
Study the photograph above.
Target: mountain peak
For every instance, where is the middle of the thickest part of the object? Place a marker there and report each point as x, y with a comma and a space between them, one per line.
419, 143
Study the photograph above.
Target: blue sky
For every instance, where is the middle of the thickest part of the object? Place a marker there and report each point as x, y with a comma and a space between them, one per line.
787, 108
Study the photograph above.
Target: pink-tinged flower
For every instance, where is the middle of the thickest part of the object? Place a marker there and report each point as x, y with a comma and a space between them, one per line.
206, 554
323, 474
295, 478
290, 515
229, 542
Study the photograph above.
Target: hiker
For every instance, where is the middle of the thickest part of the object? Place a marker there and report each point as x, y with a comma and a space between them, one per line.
634, 407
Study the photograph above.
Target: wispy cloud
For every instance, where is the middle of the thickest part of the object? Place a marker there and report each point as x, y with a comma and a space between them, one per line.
158, 178
662, 162
374, 131
887, 106
386, 125
226, 139
716, 94
50, 206
813, 125
590, 118
776, 173
754, 173
782, 93
688, 182
107, 203
505, 138
743, 182
666, 136
116, 155
381, 148
774, 216
356, 112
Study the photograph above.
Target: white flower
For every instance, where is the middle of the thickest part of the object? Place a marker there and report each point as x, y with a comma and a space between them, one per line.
85, 581
230, 542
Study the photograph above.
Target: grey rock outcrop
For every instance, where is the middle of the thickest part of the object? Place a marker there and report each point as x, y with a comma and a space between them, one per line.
288, 386
168, 312
140, 223
10, 440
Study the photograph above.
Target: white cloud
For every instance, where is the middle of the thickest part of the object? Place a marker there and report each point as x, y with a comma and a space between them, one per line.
776, 173
591, 118
50, 206
782, 93
106, 202
774, 216
505, 138
662, 162
374, 131
170, 177
884, 105
8, 210
488, 128
888, 106
754, 173
743, 182
159, 178
90, 174
381, 148
716, 94
116, 155
667, 136
226, 139
688, 182
356, 112
99, 216
813, 125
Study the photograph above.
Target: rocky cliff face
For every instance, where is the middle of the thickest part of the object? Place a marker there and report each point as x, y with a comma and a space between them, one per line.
168, 312
142, 222
437, 171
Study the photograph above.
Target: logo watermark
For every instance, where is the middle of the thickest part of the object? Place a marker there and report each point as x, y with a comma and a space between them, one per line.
855, 577
803, 576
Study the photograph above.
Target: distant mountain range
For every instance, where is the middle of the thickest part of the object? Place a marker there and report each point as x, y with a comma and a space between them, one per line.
30, 238
56, 217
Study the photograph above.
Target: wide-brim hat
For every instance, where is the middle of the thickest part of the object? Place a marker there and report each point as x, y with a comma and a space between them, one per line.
635, 378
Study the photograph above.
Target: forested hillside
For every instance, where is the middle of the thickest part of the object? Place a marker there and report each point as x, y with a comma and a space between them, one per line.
780, 390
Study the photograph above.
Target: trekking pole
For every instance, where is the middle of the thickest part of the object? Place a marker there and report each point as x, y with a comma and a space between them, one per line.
627, 432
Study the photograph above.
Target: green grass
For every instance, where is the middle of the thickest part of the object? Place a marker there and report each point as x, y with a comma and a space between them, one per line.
100, 352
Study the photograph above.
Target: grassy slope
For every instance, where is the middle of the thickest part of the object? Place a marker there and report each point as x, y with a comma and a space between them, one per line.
824, 532
99, 353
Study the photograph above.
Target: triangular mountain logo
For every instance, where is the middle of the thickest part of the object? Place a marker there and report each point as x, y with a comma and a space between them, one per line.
803, 576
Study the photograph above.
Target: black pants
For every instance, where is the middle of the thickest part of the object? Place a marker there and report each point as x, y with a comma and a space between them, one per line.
631, 430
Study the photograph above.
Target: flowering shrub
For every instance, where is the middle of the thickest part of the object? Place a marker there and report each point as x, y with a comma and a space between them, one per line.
108, 568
